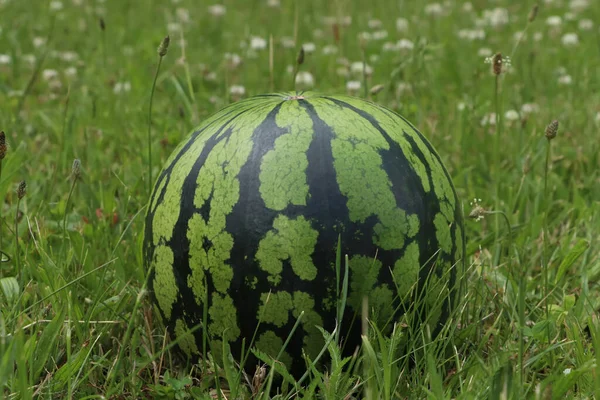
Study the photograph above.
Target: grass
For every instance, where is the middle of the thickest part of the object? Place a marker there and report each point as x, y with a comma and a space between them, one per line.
75, 83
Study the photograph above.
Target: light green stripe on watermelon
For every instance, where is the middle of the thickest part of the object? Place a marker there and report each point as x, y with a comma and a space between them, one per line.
381, 303
364, 276
406, 270
170, 203
364, 272
394, 127
283, 169
361, 177
391, 124
165, 286
270, 343
222, 313
185, 339
292, 239
167, 212
442, 233
160, 184
219, 177
310, 321
275, 308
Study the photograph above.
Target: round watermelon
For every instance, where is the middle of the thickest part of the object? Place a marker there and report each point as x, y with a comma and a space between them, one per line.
244, 221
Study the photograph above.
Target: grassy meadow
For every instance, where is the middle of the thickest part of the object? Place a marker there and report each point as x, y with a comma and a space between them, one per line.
76, 81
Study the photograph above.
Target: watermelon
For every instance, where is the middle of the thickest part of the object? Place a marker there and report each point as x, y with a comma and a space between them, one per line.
243, 225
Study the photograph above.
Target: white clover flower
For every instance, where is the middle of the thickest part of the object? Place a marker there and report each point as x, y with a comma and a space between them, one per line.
5, 59
538, 36
570, 39
330, 49
288, 42
467, 7
28, 58
343, 21
343, 61
529, 108
122, 87
434, 9
390, 46
68, 56
210, 76
566, 371
485, 52
405, 44
380, 35
318, 33
233, 60
579, 5
471, 34
358, 68
496, 17
511, 115
183, 15
353, 86
56, 6
374, 24
586, 25
489, 120
477, 34
569, 16
273, 3
364, 36
258, 43
519, 35
554, 21
343, 71
173, 27
305, 79
565, 80
309, 47
374, 58
217, 10
346, 20
237, 90
39, 41
403, 87
401, 24
71, 72
461, 106
49, 74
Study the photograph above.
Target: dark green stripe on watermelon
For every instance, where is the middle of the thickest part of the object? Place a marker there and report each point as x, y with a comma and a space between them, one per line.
251, 206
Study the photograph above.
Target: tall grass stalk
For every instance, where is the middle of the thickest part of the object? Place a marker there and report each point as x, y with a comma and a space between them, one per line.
75, 175
2, 155
530, 18
550, 133
162, 51
21, 190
